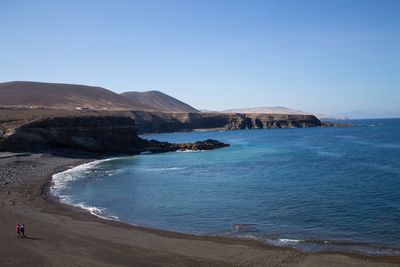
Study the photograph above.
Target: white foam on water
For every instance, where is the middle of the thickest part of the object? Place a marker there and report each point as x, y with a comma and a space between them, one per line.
349, 137
165, 169
96, 211
93, 210
329, 245
189, 151
390, 145
330, 154
61, 179
285, 240
382, 167
364, 143
248, 236
173, 168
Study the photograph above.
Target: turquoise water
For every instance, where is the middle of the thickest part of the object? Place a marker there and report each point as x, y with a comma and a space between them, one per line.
316, 189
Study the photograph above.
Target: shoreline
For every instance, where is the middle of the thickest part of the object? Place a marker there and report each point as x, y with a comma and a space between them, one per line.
87, 239
275, 242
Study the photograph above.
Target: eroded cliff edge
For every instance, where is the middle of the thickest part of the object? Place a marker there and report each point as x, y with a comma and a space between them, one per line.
100, 134
117, 131
104, 134
159, 122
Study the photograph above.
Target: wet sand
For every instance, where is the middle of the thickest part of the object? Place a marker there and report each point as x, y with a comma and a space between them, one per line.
60, 235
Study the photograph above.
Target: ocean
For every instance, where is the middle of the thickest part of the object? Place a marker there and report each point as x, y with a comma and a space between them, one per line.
314, 189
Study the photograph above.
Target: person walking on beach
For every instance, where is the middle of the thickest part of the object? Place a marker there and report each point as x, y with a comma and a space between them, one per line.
22, 230
18, 230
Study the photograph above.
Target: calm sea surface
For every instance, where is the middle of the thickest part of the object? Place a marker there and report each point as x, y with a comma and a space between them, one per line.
315, 189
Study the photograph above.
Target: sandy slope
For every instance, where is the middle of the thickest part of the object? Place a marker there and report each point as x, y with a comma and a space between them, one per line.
64, 236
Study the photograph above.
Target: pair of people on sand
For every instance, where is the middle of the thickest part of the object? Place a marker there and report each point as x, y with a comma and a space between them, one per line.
20, 229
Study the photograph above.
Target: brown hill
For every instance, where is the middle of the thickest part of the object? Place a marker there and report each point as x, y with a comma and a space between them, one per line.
156, 100
62, 96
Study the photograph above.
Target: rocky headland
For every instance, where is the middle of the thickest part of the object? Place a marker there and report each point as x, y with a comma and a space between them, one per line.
159, 122
37, 116
117, 131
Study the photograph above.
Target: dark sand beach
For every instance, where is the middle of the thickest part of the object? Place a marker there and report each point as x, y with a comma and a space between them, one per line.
59, 235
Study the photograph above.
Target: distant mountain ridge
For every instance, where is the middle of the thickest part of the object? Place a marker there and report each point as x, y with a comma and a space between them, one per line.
267, 110
159, 101
28, 94
284, 110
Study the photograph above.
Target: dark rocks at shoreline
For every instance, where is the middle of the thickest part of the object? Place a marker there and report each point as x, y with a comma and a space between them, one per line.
155, 146
208, 144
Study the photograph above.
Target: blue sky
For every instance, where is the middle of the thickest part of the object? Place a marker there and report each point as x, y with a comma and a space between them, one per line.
317, 56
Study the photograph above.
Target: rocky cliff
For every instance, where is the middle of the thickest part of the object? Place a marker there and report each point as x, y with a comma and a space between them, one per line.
117, 132
96, 134
157, 122
100, 134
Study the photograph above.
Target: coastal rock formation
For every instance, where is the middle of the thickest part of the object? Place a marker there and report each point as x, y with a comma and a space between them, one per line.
117, 131
158, 122
95, 134
155, 146
100, 134
153, 111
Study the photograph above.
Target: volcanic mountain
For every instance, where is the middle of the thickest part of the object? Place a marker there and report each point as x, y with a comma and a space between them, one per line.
156, 100
23, 94
61, 96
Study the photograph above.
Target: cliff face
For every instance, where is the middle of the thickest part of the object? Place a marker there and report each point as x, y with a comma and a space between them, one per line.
260, 121
117, 132
150, 122
96, 134
101, 134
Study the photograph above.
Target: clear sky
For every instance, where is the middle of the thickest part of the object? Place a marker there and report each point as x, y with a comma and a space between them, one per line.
322, 56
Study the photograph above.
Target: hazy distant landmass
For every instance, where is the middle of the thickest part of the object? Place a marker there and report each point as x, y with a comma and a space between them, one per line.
284, 110
357, 114
158, 101
325, 117
267, 110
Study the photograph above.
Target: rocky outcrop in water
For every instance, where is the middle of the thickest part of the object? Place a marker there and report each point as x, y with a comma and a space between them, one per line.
155, 146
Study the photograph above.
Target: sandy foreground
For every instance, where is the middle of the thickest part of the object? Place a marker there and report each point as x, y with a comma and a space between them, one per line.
60, 235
